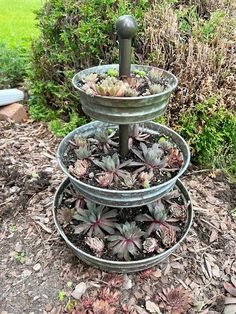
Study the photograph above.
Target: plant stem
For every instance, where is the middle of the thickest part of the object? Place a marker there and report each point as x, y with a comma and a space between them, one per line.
123, 139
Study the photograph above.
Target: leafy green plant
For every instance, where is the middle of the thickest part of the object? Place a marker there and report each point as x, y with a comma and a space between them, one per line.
73, 37
20, 257
13, 228
13, 64
210, 131
61, 295
209, 28
233, 213
61, 128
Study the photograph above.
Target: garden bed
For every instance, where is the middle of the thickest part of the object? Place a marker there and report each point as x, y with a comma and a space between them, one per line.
201, 265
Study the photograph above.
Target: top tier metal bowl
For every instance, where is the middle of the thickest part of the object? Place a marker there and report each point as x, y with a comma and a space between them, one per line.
124, 110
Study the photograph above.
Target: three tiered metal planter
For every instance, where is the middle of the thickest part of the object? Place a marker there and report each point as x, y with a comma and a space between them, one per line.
119, 113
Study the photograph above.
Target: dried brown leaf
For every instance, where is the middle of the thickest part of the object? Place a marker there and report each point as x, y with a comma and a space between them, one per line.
230, 288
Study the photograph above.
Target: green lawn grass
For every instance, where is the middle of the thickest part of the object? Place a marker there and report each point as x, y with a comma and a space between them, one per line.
17, 22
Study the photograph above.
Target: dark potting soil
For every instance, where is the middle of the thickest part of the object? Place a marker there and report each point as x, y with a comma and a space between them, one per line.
159, 177
68, 200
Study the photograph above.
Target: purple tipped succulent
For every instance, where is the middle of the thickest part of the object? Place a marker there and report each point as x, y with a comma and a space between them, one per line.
150, 245
150, 158
157, 217
127, 241
95, 220
111, 165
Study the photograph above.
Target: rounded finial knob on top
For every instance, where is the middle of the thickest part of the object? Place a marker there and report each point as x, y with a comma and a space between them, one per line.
126, 26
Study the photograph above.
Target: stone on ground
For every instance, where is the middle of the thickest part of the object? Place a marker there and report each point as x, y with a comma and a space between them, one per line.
15, 112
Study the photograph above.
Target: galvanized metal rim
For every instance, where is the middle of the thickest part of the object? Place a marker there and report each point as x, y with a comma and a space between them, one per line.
65, 170
168, 90
120, 263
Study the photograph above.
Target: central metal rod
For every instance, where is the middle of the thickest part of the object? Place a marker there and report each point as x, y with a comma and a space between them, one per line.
126, 27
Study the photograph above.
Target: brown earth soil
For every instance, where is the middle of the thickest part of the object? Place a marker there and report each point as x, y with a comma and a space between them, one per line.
39, 273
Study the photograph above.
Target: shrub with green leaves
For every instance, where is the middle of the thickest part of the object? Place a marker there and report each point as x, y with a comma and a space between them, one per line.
12, 66
193, 39
74, 35
210, 130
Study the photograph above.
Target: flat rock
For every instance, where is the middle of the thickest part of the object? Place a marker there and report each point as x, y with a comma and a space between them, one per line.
37, 267
79, 290
15, 112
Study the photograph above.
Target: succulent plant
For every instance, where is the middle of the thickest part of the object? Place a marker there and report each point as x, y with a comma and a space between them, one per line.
107, 295
145, 178
111, 165
175, 300
80, 168
103, 138
151, 158
80, 141
65, 215
95, 220
80, 202
90, 78
174, 194
96, 245
83, 152
150, 245
111, 87
127, 241
105, 180
165, 144
139, 72
129, 180
132, 82
136, 133
156, 88
90, 88
103, 307
157, 217
113, 72
130, 92
179, 212
175, 159
114, 280
167, 235
155, 76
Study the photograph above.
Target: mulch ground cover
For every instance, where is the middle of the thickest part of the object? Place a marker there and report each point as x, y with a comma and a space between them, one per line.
39, 274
